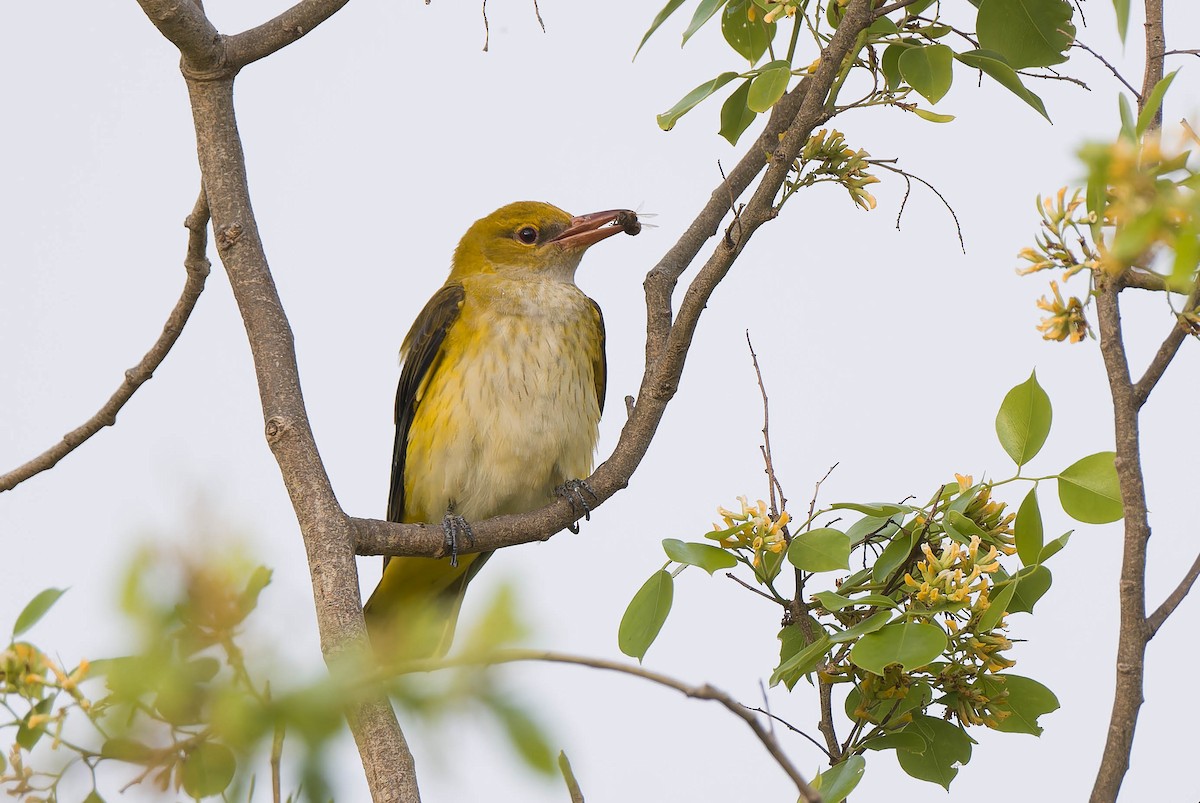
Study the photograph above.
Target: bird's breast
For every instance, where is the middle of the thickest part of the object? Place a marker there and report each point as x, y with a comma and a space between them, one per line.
510, 411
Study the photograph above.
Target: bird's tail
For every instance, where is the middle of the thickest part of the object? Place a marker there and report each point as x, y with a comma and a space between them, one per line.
414, 610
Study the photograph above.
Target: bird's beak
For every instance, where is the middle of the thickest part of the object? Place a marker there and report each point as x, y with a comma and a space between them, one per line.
587, 230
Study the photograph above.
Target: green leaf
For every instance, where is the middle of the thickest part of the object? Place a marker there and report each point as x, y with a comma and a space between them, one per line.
948, 745
704, 13
995, 66
127, 750
821, 550
26, 736
1028, 33
932, 117
796, 656
36, 609
831, 601
998, 607
667, 11
962, 528
93, 796
1090, 490
667, 120
894, 555
645, 615
525, 735
736, 116
868, 625
207, 769
1051, 549
929, 70
877, 509
836, 783
1033, 583
746, 35
911, 741
707, 557
769, 85
1122, 8
1027, 529
1153, 104
881, 527
1128, 126
1023, 422
912, 645
1026, 700
889, 63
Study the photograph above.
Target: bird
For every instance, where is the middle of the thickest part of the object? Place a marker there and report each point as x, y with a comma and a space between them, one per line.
501, 388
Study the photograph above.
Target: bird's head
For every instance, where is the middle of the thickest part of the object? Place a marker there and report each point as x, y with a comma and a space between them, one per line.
537, 238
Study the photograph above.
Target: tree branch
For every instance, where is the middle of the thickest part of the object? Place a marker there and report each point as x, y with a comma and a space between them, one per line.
1162, 612
261, 41
197, 266
1166, 352
703, 692
327, 533
185, 25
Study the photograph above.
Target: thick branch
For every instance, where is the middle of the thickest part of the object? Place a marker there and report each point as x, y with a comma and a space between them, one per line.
704, 692
328, 537
665, 360
197, 267
1162, 612
263, 40
1131, 643
184, 24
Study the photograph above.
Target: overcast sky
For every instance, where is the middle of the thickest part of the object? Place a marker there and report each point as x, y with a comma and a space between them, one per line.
372, 145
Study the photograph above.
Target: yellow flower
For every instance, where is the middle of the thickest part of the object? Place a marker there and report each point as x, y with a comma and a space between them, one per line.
1066, 321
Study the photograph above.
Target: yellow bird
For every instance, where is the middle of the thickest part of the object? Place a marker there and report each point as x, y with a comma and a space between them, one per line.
498, 408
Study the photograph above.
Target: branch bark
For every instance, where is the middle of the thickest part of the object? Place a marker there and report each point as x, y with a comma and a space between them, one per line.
1135, 629
197, 266
1162, 612
702, 692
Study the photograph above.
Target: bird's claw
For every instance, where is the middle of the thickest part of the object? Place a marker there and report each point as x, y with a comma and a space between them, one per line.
573, 491
454, 526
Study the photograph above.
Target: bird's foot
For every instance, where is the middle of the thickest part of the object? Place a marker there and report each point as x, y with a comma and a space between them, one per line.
455, 527
573, 491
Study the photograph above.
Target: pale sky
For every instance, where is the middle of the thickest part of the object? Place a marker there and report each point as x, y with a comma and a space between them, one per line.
372, 145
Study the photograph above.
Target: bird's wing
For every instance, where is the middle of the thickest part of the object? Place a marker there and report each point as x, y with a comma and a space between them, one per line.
421, 353
600, 362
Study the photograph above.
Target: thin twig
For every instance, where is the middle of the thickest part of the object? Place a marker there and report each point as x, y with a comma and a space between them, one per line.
883, 11
749, 587
772, 479
276, 759
793, 729
1155, 620
907, 175
1182, 53
537, 12
1112, 69
702, 692
197, 266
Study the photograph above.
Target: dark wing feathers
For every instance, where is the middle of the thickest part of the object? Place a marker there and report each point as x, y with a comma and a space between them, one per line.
600, 364
422, 347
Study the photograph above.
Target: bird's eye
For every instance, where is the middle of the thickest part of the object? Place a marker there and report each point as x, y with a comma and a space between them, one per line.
528, 235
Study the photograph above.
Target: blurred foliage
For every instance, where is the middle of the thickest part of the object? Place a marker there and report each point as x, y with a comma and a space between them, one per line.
189, 714
1136, 219
907, 607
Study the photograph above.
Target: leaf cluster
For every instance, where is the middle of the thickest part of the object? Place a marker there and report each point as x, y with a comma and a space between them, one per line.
918, 634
